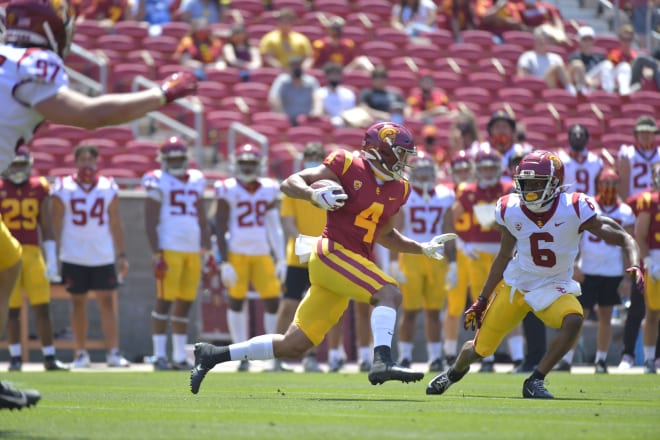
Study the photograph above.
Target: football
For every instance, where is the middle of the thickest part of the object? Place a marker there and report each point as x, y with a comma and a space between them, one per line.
324, 183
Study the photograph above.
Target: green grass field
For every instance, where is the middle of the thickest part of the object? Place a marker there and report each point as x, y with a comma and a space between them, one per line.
331, 406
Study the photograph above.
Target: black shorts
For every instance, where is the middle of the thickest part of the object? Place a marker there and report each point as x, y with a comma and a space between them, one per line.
599, 290
81, 279
297, 282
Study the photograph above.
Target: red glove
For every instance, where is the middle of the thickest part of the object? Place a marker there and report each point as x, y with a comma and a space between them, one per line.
474, 313
638, 277
178, 85
210, 273
159, 266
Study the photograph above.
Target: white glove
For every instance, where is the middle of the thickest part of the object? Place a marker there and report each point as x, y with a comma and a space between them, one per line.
325, 198
435, 247
52, 271
228, 275
452, 275
396, 273
280, 270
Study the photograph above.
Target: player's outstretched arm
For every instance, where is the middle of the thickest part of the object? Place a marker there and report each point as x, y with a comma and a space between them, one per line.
297, 185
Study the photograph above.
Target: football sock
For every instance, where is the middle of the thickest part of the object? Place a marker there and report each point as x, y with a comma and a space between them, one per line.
364, 354
405, 350
568, 357
649, 352
601, 356
160, 343
516, 349
179, 342
434, 350
258, 348
450, 347
270, 323
383, 320
334, 355
537, 375
490, 358
237, 325
15, 350
48, 350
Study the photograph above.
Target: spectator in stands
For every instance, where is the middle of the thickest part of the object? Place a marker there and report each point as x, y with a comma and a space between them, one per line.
335, 98
154, 12
501, 130
540, 63
501, 17
295, 93
210, 10
621, 59
238, 52
336, 48
377, 100
200, 49
535, 13
646, 72
461, 15
90, 234
463, 133
107, 12
278, 46
428, 101
414, 16
638, 17
587, 68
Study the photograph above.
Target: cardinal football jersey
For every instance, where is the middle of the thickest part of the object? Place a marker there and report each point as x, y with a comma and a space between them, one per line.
86, 238
178, 228
580, 172
424, 213
20, 207
27, 77
640, 167
247, 212
547, 244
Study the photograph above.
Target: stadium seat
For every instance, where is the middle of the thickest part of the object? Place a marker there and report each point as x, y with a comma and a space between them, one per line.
637, 109
507, 51
265, 75
254, 90
382, 49
487, 80
612, 141
340, 8
516, 94
478, 37
61, 171
92, 29
560, 96
254, 7
607, 42
441, 38
391, 35
531, 83
122, 76
357, 79
621, 125
134, 162
647, 97
121, 44
258, 30
468, 51
137, 30
303, 134
357, 34
401, 79
522, 38
105, 146
543, 125
120, 173
143, 147
54, 146
212, 90
72, 134
382, 8
272, 119
428, 52
478, 95
228, 76
43, 159
406, 64
447, 80
164, 44
120, 134
347, 135
175, 29
312, 32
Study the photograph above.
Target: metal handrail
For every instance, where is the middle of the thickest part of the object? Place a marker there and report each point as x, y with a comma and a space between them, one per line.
99, 87
246, 131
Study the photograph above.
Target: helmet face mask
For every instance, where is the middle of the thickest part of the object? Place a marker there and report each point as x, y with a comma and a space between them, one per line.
488, 167
248, 163
423, 173
538, 179
20, 169
40, 23
390, 146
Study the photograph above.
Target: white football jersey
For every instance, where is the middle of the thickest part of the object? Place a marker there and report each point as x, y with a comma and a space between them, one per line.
423, 216
247, 211
640, 167
86, 238
547, 244
178, 228
27, 77
596, 256
581, 173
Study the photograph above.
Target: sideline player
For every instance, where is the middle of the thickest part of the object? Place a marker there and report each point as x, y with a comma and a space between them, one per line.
369, 190
25, 208
542, 225
34, 86
179, 236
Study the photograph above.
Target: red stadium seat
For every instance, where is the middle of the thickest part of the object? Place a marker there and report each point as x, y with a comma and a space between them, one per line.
612, 141
468, 51
487, 80
531, 83
382, 8
120, 134
428, 52
516, 94
123, 74
163, 44
507, 51
637, 109
120, 173
137, 30
252, 90
302, 134
265, 75
175, 29
521, 38
117, 43
228, 76
559, 96
347, 135
448, 80
272, 119
478, 37
391, 35
61, 171
478, 95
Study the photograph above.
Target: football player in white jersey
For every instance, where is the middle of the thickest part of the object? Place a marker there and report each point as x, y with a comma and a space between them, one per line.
424, 282
249, 230
634, 161
600, 269
90, 233
34, 86
179, 236
580, 166
541, 227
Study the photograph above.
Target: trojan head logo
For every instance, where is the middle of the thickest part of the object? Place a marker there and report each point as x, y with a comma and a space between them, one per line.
388, 134
556, 163
357, 185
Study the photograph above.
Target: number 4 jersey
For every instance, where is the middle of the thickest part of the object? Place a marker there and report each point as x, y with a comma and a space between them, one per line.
86, 238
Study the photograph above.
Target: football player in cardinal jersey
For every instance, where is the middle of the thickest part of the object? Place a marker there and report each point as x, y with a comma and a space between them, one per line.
25, 208
35, 86
89, 230
424, 281
247, 211
600, 270
580, 165
179, 236
647, 229
634, 161
370, 189
541, 227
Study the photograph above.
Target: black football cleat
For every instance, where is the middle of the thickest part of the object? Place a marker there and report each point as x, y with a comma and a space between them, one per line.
203, 364
534, 389
51, 363
11, 398
381, 372
439, 384
15, 363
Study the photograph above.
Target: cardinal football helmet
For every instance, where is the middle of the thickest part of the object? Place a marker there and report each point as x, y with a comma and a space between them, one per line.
248, 163
173, 156
423, 171
390, 145
462, 167
488, 166
539, 178
40, 23
20, 168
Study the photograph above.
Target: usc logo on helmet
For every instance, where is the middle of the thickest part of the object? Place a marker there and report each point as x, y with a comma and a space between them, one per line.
388, 134
556, 163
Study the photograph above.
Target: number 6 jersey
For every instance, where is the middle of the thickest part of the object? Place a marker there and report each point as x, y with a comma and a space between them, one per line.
86, 238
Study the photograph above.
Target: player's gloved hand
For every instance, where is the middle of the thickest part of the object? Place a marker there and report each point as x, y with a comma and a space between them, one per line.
396, 272
159, 265
210, 272
474, 313
638, 277
52, 271
178, 85
435, 247
280, 270
228, 275
325, 198
452, 275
